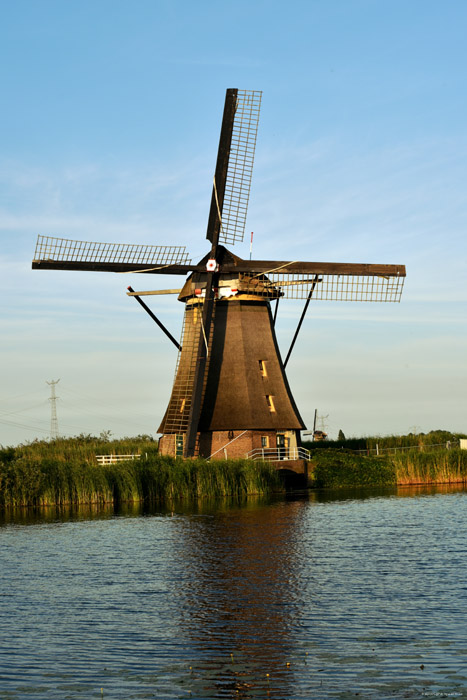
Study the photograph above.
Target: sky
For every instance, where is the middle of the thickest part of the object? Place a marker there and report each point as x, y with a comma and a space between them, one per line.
109, 128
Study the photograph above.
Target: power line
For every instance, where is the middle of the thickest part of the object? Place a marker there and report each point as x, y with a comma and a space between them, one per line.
88, 399
13, 418
22, 410
15, 424
9, 399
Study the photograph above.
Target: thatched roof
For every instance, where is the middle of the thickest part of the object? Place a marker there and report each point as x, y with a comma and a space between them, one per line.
246, 386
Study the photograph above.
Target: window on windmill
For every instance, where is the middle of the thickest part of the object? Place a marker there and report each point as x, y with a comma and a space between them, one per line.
262, 368
270, 401
182, 405
264, 441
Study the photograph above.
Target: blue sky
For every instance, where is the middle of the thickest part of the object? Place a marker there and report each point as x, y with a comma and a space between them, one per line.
109, 128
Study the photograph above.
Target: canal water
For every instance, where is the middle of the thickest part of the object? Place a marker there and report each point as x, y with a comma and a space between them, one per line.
332, 595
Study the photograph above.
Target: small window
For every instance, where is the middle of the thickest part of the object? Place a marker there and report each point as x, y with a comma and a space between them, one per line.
264, 441
179, 445
262, 368
270, 401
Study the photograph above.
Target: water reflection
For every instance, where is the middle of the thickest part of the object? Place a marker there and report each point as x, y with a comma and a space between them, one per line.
63, 514
324, 595
52, 514
240, 601
365, 493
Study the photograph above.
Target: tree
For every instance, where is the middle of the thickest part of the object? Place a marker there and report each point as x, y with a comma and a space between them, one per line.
341, 435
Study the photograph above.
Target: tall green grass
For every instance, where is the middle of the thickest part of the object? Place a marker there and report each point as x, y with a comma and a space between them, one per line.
440, 467
335, 469
85, 447
343, 469
423, 459
166, 478
67, 473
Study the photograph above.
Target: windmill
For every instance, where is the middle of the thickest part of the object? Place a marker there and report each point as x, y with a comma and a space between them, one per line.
230, 392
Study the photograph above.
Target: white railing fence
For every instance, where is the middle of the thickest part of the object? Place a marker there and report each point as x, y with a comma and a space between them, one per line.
112, 459
377, 450
278, 454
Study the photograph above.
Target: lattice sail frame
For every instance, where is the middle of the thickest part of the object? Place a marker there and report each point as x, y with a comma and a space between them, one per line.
326, 287
50, 249
240, 168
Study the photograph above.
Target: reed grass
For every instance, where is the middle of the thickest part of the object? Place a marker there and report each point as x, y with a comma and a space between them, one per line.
440, 467
335, 469
67, 474
85, 447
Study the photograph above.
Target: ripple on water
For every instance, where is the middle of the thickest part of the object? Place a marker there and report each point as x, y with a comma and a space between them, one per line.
324, 597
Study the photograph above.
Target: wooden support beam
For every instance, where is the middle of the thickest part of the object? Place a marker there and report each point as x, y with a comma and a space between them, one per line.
253, 266
153, 292
310, 294
154, 318
115, 267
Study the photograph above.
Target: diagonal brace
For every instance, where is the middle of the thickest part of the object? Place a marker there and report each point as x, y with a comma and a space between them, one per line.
154, 318
308, 299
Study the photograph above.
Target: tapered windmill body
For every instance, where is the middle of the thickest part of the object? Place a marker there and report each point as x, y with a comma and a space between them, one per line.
230, 394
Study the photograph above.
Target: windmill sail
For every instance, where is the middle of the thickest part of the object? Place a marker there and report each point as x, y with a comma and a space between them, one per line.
346, 287
240, 170
234, 167
269, 278
62, 253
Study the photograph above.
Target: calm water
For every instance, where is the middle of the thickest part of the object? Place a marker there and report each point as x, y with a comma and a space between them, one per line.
333, 596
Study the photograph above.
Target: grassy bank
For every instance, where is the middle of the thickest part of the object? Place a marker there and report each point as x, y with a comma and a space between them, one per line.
439, 467
65, 472
335, 469
415, 458
332, 469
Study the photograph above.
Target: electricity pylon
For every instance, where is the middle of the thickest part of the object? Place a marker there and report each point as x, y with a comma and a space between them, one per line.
322, 422
53, 407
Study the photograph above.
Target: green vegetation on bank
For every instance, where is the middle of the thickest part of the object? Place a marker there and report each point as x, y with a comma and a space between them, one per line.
333, 469
439, 467
336, 469
65, 471
403, 459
